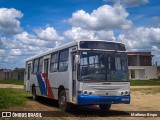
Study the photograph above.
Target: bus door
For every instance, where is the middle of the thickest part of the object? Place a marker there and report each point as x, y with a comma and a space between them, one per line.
46, 63
74, 77
28, 77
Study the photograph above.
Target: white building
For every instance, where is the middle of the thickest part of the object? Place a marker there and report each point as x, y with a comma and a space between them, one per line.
140, 66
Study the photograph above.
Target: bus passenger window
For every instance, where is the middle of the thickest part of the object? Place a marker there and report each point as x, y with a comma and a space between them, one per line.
74, 63
35, 66
54, 62
40, 65
63, 60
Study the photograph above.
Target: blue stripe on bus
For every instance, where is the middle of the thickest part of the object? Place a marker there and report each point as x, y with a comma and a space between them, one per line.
41, 84
95, 100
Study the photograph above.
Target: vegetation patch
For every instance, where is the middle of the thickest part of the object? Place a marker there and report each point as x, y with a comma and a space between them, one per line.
12, 97
16, 82
153, 82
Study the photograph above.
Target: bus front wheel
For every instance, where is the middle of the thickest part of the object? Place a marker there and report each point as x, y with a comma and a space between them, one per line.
105, 107
62, 101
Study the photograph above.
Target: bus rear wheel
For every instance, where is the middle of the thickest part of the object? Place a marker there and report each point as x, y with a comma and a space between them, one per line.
34, 96
105, 107
62, 101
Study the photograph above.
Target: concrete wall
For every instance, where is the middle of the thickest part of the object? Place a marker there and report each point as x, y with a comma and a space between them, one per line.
2, 76
12, 75
158, 71
143, 72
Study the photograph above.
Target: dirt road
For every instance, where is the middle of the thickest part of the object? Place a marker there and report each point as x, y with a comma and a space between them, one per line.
140, 101
11, 86
21, 86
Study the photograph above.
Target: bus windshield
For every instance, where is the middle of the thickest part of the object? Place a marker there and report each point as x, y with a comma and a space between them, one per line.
103, 66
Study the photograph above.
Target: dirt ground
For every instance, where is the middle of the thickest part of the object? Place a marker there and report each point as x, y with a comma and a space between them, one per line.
139, 102
11, 86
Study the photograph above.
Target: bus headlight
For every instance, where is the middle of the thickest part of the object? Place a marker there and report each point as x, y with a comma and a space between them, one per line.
90, 93
126, 92
85, 92
121, 93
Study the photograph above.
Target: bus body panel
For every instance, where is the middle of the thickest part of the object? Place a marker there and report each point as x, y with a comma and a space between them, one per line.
104, 93
98, 100
106, 88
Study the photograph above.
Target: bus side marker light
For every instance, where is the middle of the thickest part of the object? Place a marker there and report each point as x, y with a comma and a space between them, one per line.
79, 91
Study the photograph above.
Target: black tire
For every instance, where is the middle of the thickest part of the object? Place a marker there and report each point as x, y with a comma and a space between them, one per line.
34, 95
62, 101
105, 107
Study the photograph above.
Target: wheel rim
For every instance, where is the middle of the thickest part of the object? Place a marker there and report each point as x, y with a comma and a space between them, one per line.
34, 94
62, 101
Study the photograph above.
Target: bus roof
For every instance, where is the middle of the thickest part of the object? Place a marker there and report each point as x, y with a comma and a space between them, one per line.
53, 50
70, 44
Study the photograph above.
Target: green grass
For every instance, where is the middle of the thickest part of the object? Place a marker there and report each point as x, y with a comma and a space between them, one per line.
146, 90
16, 82
12, 97
154, 82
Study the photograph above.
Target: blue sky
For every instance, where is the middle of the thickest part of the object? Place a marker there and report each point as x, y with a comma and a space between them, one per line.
38, 13
29, 27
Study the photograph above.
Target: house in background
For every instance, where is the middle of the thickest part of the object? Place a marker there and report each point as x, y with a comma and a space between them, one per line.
140, 66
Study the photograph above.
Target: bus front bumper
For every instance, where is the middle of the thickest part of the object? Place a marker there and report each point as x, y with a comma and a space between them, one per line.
96, 100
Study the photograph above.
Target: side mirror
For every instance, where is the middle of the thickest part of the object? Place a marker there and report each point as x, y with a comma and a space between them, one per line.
77, 59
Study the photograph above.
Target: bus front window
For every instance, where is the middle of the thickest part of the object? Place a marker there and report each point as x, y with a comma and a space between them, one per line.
103, 66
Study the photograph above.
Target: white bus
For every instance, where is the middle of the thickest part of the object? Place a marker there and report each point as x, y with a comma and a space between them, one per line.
81, 73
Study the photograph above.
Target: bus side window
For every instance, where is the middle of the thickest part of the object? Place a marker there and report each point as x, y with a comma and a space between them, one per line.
54, 62
74, 63
35, 66
63, 60
113, 66
40, 65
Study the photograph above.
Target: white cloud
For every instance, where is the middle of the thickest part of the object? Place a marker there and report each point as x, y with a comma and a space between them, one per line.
1, 43
27, 39
129, 3
105, 35
23, 45
78, 33
15, 52
48, 34
2, 52
9, 23
141, 38
104, 18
